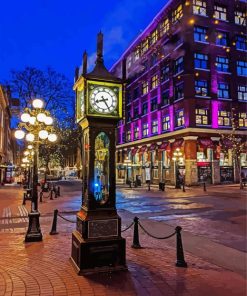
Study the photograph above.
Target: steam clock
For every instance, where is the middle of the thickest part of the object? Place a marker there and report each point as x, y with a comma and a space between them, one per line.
97, 244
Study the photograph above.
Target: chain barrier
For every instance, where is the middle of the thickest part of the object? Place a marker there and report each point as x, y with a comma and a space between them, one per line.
128, 227
66, 219
153, 236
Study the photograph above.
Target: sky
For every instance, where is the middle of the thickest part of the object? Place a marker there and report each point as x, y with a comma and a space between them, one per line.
41, 33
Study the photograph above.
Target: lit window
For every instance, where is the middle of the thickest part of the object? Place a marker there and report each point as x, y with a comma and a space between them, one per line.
166, 123
154, 81
144, 45
154, 37
177, 14
201, 61
222, 38
179, 118
145, 87
224, 118
202, 116
137, 54
201, 88
165, 73
155, 127
154, 104
200, 34
240, 18
220, 12
179, 65
129, 61
165, 98
128, 136
242, 119
145, 130
199, 7
223, 90
164, 27
222, 64
242, 68
179, 91
136, 132
242, 93
144, 108
241, 42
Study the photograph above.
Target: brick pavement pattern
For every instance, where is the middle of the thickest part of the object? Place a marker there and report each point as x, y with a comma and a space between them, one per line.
44, 268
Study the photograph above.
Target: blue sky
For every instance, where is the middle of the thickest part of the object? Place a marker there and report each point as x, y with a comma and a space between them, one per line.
54, 33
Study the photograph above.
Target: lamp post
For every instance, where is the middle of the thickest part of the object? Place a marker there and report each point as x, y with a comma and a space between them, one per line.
127, 162
177, 157
35, 126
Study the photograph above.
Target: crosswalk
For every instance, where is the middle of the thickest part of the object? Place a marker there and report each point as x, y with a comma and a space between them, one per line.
9, 221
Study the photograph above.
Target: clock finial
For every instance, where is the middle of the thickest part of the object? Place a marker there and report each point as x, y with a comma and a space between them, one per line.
84, 63
99, 48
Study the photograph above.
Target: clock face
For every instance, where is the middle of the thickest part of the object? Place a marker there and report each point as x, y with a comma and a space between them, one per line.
103, 100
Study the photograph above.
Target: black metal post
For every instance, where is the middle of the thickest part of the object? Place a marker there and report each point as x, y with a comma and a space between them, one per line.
51, 194
149, 182
58, 191
34, 232
136, 243
180, 253
183, 187
177, 184
54, 223
204, 186
41, 196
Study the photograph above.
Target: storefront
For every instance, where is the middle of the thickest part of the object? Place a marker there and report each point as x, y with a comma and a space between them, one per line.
226, 166
204, 159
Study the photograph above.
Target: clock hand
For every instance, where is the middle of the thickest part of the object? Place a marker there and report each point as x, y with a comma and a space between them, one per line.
104, 100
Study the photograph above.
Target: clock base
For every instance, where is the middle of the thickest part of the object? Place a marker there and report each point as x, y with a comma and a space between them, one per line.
94, 256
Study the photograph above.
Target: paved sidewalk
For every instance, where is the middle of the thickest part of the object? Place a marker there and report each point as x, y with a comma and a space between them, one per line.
44, 268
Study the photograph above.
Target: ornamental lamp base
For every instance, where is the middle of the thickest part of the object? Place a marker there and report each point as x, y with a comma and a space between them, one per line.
33, 233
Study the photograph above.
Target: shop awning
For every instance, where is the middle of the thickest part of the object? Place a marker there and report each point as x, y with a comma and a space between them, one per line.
143, 149
205, 142
153, 147
178, 143
134, 151
164, 146
226, 143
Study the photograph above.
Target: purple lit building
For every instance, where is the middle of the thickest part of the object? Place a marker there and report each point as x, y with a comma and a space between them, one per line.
186, 82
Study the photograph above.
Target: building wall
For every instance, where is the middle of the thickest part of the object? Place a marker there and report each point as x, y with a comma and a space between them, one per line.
199, 98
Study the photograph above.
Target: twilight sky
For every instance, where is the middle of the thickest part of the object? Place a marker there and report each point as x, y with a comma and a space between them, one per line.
54, 33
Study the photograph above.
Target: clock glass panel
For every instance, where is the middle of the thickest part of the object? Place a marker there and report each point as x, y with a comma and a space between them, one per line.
103, 100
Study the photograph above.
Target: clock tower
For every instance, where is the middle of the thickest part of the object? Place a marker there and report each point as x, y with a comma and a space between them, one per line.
97, 244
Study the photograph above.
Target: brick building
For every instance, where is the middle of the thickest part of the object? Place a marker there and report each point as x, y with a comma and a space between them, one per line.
185, 82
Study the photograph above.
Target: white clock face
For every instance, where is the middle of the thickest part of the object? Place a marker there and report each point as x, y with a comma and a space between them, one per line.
103, 100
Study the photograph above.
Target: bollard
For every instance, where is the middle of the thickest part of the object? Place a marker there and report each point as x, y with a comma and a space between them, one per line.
24, 199
204, 186
183, 187
51, 193
41, 197
136, 243
58, 191
148, 185
54, 223
180, 253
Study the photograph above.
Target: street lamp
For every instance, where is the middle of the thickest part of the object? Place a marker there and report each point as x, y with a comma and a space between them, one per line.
177, 157
127, 162
35, 127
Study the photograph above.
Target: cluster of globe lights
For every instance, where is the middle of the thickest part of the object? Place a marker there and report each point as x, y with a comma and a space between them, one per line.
41, 118
28, 154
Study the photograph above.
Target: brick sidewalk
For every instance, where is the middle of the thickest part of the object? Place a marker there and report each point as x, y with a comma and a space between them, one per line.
44, 269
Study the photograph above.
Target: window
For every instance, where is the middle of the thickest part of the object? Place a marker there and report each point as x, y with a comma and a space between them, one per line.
241, 42
165, 73
240, 18
224, 118
136, 132
220, 12
201, 88
201, 61
242, 92
179, 65
179, 118
136, 112
166, 123
177, 13
155, 127
164, 27
202, 116
154, 104
165, 98
145, 87
128, 136
200, 34
154, 81
145, 108
128, 117
199, 7
137, 54
242, 68
222, 64
222, 38
154, 59
145, 130
242, 119
144, 45
128, 97
154, 36
179, 91
136, 93
223, 90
